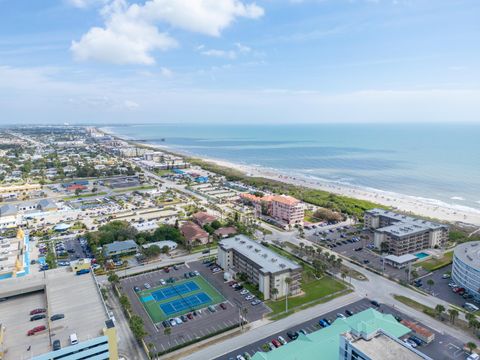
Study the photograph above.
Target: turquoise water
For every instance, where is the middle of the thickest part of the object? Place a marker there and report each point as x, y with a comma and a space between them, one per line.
440, 162
421, 255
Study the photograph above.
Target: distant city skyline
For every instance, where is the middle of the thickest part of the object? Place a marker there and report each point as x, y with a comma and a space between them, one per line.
239, 61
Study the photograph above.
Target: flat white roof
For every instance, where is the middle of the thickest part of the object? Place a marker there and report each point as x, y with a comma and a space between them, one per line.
401, 259
268, 260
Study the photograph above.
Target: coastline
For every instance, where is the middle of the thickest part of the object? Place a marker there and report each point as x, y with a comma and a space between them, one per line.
430, 208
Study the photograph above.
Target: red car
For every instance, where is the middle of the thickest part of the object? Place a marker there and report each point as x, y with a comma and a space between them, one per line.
223, 306
190, 316
167, 270
276, 343
37, 311
36, 329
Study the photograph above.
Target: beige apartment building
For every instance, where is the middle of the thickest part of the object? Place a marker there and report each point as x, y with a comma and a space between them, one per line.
404, 234
262, 266
284, 209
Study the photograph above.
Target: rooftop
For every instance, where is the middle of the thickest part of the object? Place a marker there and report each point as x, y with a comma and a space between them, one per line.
469, 253
268, 260
327, 340
59, 291
401, 259
383, 347
117, 246
404, 224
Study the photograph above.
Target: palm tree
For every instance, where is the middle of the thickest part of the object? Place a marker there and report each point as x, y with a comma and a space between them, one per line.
274, 292
288, 281
471, 346
430, 283
439, 309
453, 315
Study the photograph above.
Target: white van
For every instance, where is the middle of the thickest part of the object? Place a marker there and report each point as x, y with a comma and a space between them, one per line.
470, 307
73, 339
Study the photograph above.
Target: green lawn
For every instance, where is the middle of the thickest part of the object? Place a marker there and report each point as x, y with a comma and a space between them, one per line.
153, 307
84, 196
314, 290
434, 264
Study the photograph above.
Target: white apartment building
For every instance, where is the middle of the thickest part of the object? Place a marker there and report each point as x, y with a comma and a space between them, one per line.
262, 266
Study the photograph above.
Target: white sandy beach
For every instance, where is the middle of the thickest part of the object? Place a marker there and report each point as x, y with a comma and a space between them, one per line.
424, 207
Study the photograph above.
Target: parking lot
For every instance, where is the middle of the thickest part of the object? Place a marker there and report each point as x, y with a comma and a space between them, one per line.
205, 322
441, 289
354, 244
442, 348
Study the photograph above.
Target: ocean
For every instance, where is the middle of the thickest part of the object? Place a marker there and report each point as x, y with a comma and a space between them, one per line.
439, 163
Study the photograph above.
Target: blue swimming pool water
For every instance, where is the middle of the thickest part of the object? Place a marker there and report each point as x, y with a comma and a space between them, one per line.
421, 255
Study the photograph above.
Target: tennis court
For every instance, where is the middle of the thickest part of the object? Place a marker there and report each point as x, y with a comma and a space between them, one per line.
175, 290
187, 303
171, 300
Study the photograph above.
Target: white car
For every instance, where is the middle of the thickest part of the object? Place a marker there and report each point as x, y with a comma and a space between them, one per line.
162, 282
216, 270
172, 322
282, 340
249, 297
178, 320
147, 286
244, 292
196, 273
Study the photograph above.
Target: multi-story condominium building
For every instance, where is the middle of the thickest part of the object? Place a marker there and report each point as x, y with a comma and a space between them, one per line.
262, 266
466, 267
287, 210
404, 234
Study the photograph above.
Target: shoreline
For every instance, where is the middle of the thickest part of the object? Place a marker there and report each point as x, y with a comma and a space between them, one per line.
420, 206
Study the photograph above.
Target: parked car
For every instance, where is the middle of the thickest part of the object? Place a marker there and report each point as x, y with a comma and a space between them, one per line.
35, 330
282, 340
249, 297
190, 316
56, 345
212, 308
223, 306
303, 331
276, 343
292, 335
322, 323
38, 317
341, 316
244, 292
162, 282
256, 302
56, 317
147, 286
37, 311
172, 322
348, 312
178, 320
165, 324
375, 303
184, 318
136, 289
445, 276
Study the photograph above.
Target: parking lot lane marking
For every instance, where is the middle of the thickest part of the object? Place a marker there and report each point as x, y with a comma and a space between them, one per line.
188, 266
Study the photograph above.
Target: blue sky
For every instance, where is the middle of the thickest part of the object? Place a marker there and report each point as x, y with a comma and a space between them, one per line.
115, 61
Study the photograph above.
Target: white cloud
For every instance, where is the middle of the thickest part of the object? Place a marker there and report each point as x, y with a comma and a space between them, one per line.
230, 54
131, 105
130, 33
166, 72
83, 4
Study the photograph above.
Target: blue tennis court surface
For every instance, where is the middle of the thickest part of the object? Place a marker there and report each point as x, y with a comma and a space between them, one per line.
185, 303
175, 290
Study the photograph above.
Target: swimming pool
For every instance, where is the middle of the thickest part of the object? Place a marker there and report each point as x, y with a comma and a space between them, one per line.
421, 255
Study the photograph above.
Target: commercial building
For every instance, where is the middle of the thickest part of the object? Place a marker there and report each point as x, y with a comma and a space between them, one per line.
400, 262
15, 256
120, 248
262, 266
466, 267
368, 335
58, 292
400, 234
285, 210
